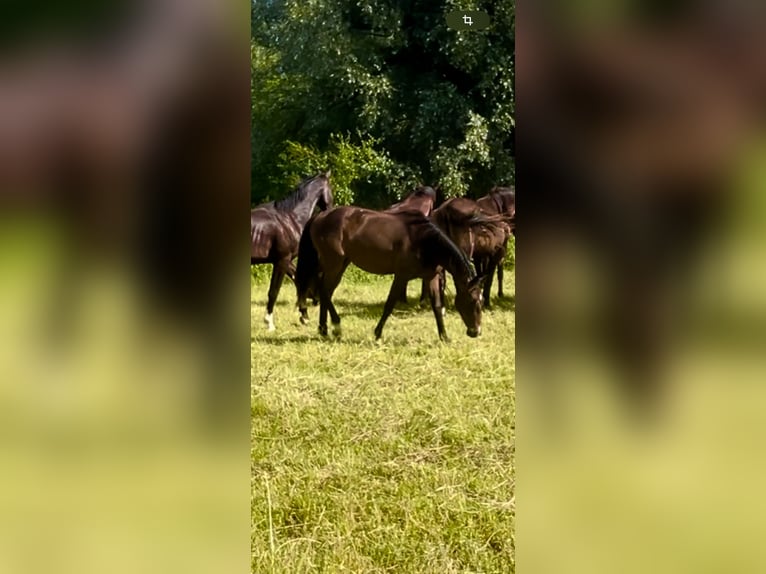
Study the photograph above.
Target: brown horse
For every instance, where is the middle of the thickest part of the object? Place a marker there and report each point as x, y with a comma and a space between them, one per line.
481, 238
276, 228
407, 245
500, 201
422, 200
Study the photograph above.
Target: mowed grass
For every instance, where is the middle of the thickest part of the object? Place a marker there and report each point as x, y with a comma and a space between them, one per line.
396, 456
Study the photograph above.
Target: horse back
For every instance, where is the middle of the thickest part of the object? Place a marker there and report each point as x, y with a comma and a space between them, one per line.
377, 242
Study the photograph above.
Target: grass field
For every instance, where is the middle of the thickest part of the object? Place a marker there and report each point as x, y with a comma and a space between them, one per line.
395, 456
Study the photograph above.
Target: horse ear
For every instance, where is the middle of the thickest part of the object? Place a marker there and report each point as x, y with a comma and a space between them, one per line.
328, 173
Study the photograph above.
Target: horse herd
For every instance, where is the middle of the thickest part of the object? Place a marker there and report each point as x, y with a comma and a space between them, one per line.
410, 240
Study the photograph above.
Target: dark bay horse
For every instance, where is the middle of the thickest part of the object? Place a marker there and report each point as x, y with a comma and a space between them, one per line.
500, 201
423, 200
482, 238
407, 245
276, 228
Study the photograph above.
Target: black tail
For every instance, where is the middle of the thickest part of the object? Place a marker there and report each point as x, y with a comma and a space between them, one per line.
307, 272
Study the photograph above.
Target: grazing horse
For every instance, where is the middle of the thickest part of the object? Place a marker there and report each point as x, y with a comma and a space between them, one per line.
482, 238
422, 200
276, 228
407, 245
500, 201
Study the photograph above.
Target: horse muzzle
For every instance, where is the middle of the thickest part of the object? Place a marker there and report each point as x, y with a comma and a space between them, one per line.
473, 333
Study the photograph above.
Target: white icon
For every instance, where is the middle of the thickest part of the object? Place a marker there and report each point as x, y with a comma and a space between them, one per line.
468, 20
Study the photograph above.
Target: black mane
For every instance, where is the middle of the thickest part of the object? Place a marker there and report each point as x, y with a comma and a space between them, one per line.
475, 218
426, 233
293, 200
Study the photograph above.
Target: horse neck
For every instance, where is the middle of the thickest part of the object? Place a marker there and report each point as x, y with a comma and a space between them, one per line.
459, 270
453, 260
305, 208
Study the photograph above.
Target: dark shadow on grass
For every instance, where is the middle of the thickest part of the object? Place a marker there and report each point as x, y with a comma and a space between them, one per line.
282, 305
277, 340
368, 310
507, 303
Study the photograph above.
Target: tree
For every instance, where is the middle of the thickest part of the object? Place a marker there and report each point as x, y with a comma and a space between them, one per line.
383, 90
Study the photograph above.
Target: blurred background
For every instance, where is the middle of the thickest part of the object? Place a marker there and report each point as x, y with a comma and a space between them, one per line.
641, 156
124, 355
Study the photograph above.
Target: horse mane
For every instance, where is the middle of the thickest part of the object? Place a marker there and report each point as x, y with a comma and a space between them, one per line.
503, 197
292, 201
454, 216
423, 191
429, 233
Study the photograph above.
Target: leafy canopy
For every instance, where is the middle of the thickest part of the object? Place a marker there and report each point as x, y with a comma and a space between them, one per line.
382, 92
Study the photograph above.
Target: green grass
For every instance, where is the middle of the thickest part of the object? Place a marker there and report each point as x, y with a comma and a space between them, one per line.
394, 456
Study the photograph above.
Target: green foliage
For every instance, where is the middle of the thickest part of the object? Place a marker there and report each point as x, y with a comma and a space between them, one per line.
355, 166
385, 93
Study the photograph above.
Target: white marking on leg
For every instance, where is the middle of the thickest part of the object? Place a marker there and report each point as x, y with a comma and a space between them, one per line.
444, 312
269, 320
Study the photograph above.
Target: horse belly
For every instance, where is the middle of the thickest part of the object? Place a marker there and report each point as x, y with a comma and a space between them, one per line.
260, 248
371, 260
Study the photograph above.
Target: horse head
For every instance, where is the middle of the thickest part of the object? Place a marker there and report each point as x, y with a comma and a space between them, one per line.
325, 199
468, 302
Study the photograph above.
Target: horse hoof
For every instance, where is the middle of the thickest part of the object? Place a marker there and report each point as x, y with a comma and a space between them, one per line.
336, 331
304, 320
444, 338
323, 330
269, 320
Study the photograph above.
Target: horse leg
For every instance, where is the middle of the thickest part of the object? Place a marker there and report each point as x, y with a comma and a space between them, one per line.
487, 293
442, 286
435, 290
500, 272
388, 308
327, 285
290, 271
323, 297
333, 285
277, 275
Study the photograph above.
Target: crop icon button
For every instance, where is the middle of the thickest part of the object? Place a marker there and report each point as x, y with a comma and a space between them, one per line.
468, 20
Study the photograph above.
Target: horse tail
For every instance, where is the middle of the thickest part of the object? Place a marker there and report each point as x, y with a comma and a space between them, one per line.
307, 272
